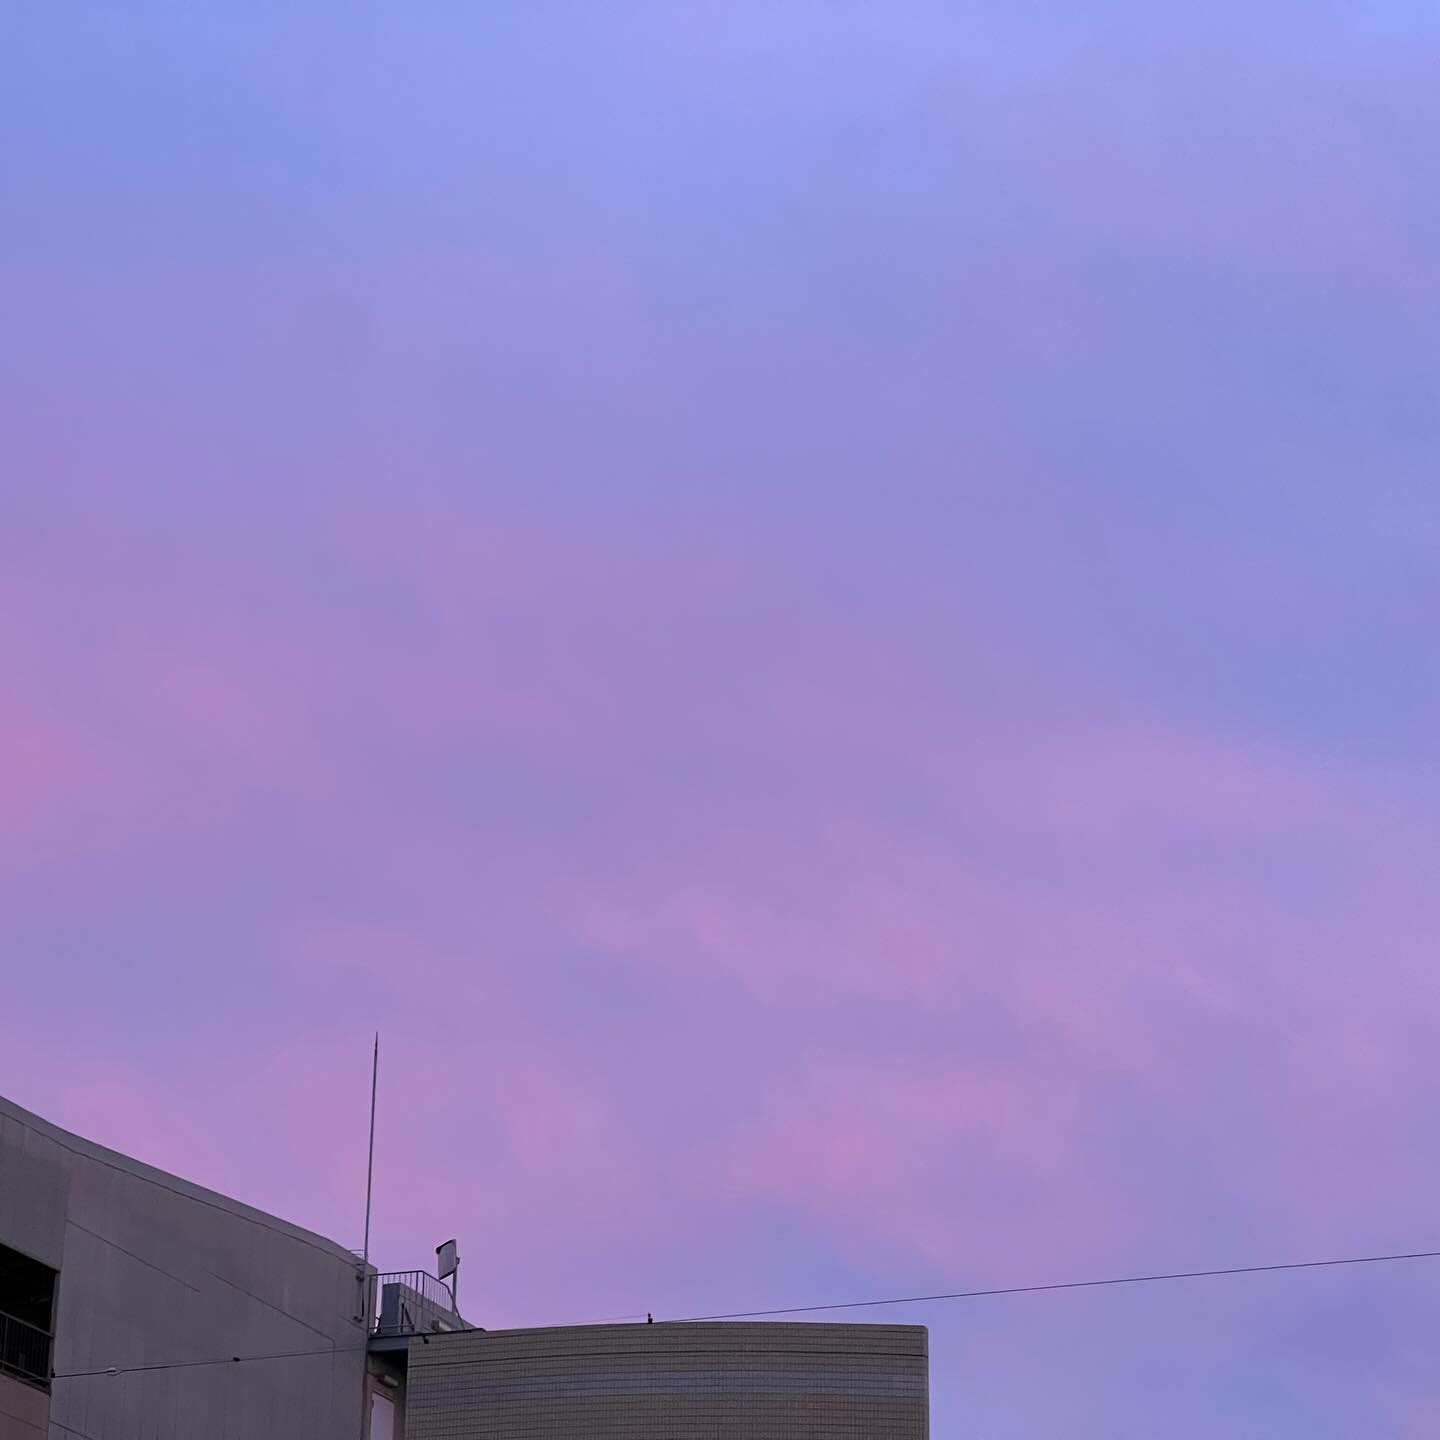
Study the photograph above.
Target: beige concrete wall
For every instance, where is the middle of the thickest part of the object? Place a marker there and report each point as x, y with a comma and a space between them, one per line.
155, 1270
23, 1410
718, 1381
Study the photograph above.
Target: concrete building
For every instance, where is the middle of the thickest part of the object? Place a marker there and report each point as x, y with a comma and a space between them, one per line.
108, 1264
137, 1306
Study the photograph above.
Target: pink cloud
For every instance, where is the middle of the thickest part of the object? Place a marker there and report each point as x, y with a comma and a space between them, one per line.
957, 1163
40, 760
810, 838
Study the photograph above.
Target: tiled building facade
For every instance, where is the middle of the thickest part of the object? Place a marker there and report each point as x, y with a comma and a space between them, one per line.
713, 1381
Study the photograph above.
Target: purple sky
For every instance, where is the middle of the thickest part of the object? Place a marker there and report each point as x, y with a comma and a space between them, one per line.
824, 611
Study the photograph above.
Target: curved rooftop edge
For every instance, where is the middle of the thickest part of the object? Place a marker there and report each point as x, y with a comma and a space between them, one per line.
128, 1165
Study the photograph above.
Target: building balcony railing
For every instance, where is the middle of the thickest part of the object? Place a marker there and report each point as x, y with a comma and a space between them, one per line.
25, 1350
413, 1301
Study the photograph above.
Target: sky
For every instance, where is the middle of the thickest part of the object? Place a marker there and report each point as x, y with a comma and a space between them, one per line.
825, 614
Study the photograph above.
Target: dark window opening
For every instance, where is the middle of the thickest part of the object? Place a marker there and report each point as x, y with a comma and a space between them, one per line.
27, 1316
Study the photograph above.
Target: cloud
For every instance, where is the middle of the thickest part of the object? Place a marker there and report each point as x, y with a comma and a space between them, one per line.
844, 676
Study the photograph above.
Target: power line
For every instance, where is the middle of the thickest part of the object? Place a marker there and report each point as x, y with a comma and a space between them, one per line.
197, 1364
1067, 1285
1054, 1285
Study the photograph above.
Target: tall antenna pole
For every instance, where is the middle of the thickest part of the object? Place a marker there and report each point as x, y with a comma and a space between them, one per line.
365, 1284
370, 1177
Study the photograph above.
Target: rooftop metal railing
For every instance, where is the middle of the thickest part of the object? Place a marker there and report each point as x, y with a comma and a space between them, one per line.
25, 1350
413, 1302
